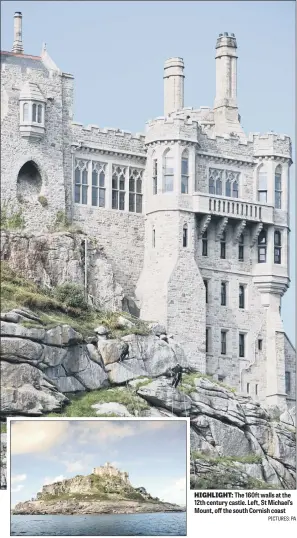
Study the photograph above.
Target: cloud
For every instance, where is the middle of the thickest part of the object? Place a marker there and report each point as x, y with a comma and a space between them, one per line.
17, 488
175, 492
48, 480
74, 466
38, 435
18, 478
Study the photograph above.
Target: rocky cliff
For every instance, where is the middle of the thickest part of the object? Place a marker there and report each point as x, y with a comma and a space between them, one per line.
93, 494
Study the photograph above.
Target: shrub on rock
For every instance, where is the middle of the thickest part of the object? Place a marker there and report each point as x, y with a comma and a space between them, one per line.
71, 294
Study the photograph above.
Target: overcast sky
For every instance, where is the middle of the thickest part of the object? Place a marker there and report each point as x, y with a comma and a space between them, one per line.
116, 51
152, 452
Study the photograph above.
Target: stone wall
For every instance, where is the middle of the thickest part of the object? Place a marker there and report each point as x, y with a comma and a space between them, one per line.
290, 365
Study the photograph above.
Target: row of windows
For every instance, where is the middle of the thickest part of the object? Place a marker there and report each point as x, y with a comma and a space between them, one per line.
32, 112
225, 346
224, 285
262, 246
98, 186
287, 383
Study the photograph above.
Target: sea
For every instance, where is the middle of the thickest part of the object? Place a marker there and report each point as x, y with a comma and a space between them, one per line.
157, 524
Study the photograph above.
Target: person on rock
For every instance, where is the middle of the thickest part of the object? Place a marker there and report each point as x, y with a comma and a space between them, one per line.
124, 353
177, 375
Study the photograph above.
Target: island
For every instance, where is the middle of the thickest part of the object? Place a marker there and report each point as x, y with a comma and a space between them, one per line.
107, 490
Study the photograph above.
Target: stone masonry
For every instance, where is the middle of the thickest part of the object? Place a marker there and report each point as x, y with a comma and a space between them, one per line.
192, 216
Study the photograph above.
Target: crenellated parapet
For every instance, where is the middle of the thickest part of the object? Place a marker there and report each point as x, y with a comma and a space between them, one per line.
95, 137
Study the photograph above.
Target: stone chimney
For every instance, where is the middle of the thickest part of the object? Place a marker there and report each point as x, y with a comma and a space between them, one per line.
226, 71
173, 85
18, 39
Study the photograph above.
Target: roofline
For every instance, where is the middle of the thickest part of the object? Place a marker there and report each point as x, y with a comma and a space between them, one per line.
20, 55
290, 342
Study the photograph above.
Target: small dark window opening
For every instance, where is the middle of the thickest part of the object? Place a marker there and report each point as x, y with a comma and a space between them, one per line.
223, 342
223, 246
223, 294
206, 290
256, 390
241, 248
260, 343
207, 340
277, 247
241, 296
288, 381
248, 388
204, 244
241, 344
262, 245
185, 236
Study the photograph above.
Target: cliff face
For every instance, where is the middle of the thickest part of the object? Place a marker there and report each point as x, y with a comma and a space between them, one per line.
93, 494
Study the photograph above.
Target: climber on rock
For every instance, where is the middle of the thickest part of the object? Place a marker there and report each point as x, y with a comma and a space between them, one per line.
124, 353
177, 375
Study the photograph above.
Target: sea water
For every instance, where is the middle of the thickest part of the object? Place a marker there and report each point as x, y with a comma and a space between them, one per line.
156, 524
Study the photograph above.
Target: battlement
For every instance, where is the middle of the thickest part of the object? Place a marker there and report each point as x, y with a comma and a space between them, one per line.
109, 130
269, 144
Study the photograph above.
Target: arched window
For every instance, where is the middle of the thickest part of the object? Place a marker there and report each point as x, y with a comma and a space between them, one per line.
185, 235
262, 246
228, 188
26, 112
219, 186
34, 112
278, 187
277, 247
262, 185
168, 171
98, 184
185, 173
39, 113
235, 189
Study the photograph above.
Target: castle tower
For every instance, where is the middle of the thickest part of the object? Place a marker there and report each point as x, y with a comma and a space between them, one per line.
173, 85
18, 39
225, 105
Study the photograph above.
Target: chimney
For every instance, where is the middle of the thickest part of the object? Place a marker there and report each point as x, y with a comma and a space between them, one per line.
18, 41
226, 67
173, 85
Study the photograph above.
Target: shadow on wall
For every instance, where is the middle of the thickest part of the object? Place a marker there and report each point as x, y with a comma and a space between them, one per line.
29, 182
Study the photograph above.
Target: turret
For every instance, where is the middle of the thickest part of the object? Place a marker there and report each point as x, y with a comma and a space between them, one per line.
173, 85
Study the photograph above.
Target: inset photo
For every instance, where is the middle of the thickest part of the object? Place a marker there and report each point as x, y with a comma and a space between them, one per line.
105, 477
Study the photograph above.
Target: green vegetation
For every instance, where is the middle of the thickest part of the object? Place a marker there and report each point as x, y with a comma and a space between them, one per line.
62, 224
251, 458
80, 404
228, 480
43, 201
189, 379
10, 219
3, 427
54, 307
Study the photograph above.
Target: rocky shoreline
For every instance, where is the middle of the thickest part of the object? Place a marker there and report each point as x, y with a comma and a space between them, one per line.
71, 507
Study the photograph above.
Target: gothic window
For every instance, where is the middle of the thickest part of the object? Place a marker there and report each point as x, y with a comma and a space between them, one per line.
135, 190
278, 187
204, 244
185, 173
37, 113
262, 185
26, 112
168, 171
262, 246
231, 183
241, 344
277, 247
241, 296
223, 342
241, 248
185, 235
98, 184
81, 181
223, 246
215, 181
118, 187
235, 189
155, 176
228, 188
223, 294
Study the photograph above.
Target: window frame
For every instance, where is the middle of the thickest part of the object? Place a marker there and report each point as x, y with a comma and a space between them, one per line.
117, 193
205, 244
241, 296
223, 342
288, 382
185, 176
185, 236
135, 196
155, 176
80, 186
241, 248
278, 187
241, 345
205, 282
223, 293
223, 245
168, 155
99, 169
278, 247
262, 247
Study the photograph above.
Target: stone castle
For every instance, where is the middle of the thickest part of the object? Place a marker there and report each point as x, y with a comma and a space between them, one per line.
109, 470
193, 215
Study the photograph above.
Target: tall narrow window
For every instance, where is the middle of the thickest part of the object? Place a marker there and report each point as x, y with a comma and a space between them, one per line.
155, 176
206, 290
39, 113
260, 341
154, 238
81, 181
228, 188
223, 246
185, 235
241, 296
262, 246
207, 339
277, 247
135, 190
241, 248
98, 184
241, 344
25, 112
168, 171
34, 112
185, 173
288, 382
223, 342
262, 185
248, 388
278, 187
223, 294
118, 187
204, 244
235, 189
256, 390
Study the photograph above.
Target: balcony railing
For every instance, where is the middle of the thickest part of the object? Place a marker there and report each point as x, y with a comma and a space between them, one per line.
232, 208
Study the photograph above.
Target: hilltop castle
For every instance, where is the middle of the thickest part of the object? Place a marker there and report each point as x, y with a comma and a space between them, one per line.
193, 215
109, 470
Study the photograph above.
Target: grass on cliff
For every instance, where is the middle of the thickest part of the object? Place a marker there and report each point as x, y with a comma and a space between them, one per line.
188, 383
17, 292
251, 458
217, 480
81, 404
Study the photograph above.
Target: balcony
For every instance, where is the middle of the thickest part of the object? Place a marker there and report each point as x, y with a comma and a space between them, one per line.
232, 208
